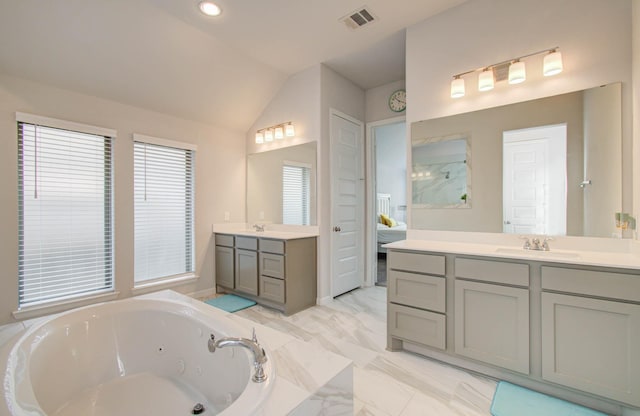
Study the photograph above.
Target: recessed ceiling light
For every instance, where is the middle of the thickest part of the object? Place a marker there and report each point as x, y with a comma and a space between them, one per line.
210, 8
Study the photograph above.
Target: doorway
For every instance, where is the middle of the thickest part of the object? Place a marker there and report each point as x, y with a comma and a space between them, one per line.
534, 180
387, 192
347, 211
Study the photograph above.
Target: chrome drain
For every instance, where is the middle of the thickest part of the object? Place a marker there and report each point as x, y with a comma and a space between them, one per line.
197, 409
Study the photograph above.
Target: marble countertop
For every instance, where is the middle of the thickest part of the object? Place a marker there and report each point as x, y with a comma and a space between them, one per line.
577, 257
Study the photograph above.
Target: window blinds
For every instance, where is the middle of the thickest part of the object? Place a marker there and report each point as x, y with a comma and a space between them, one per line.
164, 197
65, 229
295, 193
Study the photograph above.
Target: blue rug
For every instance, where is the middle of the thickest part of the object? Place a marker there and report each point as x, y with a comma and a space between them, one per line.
230, 303
512, 400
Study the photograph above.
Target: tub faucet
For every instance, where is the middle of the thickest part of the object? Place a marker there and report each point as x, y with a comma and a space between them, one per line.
259, 356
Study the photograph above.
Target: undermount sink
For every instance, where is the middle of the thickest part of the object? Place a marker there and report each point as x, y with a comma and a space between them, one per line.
538, 253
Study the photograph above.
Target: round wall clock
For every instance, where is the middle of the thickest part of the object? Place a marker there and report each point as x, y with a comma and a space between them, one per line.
398, 101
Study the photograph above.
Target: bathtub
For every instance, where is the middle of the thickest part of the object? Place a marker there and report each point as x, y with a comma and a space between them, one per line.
137, 356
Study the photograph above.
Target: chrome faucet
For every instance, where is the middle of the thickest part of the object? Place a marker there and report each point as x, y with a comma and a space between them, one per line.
259, 356
258, 227
536, 244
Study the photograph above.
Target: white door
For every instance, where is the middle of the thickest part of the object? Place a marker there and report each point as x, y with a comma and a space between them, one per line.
347, 196
532, 204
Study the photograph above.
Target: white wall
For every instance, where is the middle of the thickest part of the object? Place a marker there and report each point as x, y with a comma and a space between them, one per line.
377, 101
220, 176
391, 165
297, 101
636, 109
593, 35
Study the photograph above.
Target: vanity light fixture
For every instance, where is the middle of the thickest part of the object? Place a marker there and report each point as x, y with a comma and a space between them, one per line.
552, 63
517, 73
485, 80
209, 8
278, 132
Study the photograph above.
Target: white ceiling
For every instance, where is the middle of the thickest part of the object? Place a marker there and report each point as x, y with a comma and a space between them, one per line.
165, 56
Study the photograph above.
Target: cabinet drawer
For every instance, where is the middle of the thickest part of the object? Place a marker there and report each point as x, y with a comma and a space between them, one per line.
247, 243
516, 274
224, 240
427, 328
272, 265
272, 246
590, 282
419, 290
272, 289
416, 262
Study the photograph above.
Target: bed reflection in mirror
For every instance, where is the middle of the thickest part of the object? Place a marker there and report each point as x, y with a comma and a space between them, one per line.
441, 171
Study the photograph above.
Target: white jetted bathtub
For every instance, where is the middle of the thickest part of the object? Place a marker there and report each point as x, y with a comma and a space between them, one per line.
132, 357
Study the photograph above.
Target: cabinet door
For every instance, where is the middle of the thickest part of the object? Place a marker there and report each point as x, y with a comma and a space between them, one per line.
492, 324
247, 271
592, 345
225, 260
272, 265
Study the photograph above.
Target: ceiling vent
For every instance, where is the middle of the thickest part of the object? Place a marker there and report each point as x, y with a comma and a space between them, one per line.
501, 71
358, 18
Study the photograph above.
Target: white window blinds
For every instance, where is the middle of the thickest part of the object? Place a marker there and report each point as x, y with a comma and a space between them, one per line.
65, 227
295, 193
164, 197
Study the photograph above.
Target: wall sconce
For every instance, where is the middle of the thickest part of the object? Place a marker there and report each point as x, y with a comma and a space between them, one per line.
278, 132
517, 72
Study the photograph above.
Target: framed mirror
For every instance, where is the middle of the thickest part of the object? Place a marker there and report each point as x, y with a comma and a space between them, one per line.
441, 171
590, 173
281, 185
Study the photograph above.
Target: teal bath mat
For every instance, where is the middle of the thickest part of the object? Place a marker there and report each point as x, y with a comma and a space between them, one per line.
512, 400
230, 303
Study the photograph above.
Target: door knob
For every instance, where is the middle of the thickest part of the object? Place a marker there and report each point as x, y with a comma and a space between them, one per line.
337, 229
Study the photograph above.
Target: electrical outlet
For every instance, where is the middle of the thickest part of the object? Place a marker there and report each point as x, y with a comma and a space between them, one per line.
226, 216
261, 215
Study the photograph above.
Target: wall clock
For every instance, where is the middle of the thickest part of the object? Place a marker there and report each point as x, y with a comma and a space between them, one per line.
398, 101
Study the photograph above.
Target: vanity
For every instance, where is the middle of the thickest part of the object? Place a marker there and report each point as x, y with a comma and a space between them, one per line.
561, 322
275, 269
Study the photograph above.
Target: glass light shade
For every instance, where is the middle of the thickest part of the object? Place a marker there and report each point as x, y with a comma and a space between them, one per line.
517, 72
259, 138
552, 64
289, 131
457, 88
279, 133
485, 80
268, 135
209, 8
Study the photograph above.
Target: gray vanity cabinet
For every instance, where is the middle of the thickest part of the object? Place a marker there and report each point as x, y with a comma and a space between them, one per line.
592, 344
225, 261
273, 272
491, 318
247, 265
416, 299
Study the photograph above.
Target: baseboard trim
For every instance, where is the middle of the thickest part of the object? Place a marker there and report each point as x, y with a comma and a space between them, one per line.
324, 301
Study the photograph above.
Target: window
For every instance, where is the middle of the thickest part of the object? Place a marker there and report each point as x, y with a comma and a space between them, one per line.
164, 196
295, 193
65, 227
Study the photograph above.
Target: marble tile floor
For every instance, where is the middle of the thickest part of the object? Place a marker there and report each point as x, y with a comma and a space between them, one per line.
385, 383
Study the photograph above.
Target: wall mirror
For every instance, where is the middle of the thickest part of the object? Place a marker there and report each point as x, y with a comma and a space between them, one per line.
576, 194
281, 185
441, 171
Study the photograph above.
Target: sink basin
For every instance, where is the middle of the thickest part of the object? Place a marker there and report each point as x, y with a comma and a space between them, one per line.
538, 254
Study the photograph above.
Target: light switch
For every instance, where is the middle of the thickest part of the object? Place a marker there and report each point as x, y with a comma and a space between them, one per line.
226, 216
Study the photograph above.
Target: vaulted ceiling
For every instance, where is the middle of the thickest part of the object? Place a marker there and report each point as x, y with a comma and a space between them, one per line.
164, 55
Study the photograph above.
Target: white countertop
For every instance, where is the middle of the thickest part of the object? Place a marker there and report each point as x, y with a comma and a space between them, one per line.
274, 231
578, 257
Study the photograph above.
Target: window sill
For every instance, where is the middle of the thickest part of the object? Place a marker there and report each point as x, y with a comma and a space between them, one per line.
148, 287
55, 307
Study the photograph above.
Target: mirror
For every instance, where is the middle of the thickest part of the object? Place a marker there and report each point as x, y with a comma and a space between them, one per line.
281, 185
441, 172
591, 176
